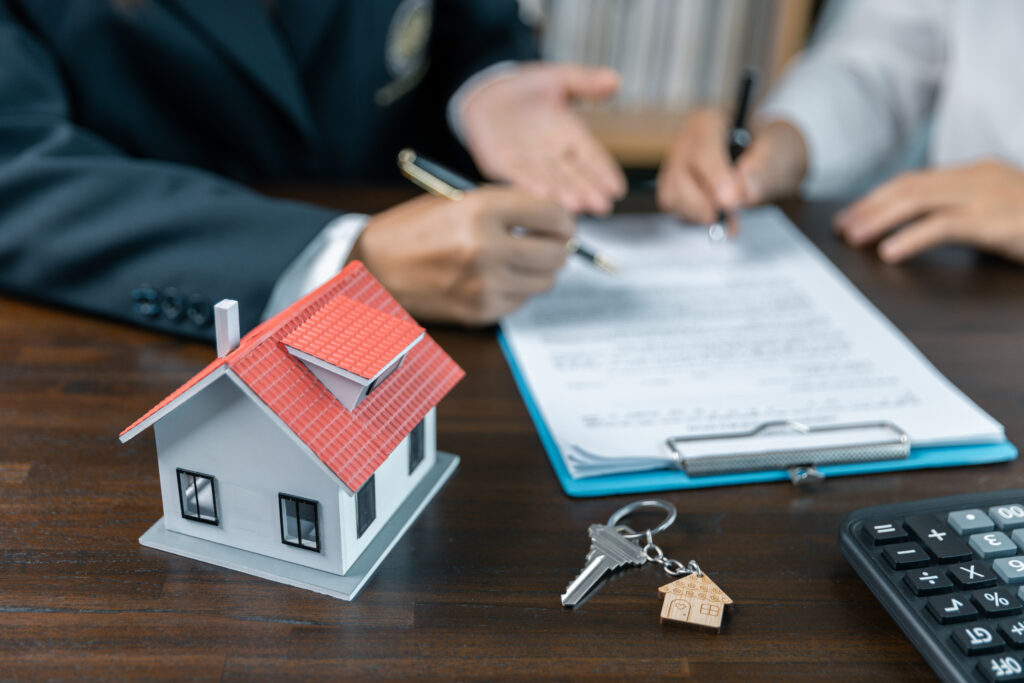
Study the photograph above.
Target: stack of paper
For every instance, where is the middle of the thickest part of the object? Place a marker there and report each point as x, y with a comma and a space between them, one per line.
701, 338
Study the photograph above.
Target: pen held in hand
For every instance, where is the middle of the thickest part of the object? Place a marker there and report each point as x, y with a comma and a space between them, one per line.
739, 140
443, 182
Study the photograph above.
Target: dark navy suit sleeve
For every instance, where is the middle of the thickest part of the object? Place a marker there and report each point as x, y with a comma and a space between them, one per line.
85, 226
471, 35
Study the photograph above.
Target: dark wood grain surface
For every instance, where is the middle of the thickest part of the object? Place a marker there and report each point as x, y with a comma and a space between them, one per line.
472, 590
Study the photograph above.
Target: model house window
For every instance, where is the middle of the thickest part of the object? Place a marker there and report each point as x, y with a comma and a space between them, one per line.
366, 506
416, 447
198, 497
300, 525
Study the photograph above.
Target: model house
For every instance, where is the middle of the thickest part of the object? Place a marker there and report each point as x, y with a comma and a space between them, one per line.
694, 599
304, 451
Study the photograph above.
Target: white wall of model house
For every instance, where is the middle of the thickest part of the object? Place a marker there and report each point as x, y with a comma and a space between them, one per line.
225, 432
393, 485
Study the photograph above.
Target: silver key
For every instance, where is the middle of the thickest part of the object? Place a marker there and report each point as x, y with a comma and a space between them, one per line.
609, 550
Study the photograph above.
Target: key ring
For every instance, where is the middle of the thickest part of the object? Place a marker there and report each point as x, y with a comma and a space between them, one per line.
655, 554
656, 503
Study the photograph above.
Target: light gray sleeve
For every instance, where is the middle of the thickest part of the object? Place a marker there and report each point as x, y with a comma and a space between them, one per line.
858, 92
321, 260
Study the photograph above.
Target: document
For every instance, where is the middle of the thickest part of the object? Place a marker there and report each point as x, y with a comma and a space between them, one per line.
699, 338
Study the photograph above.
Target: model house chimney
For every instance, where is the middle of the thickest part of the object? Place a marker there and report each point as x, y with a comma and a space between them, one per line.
225, 320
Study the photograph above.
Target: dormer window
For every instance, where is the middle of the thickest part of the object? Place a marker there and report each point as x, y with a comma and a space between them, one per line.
352, 348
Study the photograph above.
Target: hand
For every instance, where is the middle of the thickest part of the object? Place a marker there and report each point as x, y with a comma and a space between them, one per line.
457, 261
521, 128
697, 178
980, 205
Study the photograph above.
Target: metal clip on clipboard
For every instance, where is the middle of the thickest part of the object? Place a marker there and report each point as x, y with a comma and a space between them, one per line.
789, 445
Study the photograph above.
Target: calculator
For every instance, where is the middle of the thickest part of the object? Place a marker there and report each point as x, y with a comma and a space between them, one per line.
950, 571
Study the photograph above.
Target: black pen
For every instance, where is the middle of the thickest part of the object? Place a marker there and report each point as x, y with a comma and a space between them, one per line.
739, 140
443, 182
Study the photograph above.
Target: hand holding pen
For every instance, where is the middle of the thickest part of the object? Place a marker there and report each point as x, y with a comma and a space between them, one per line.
443, 182
461, 261
717, 165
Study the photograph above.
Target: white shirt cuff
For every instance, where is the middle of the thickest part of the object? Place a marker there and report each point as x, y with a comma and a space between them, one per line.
457, 103
317, 263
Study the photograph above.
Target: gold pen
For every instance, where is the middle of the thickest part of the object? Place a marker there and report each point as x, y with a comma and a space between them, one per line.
443, 182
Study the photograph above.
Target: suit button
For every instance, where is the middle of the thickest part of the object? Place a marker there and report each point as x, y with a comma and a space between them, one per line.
199, 312
145, 301
173, 303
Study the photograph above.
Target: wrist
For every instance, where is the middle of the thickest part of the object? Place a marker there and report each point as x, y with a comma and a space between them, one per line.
785, 152
362, 248
459, 103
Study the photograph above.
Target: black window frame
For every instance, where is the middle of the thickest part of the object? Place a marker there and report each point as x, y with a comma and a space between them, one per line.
181, 497
287, 497
417, 445
367, 492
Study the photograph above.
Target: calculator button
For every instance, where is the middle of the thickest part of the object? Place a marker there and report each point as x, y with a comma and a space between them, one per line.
1002, 668
1013, 631
996, 602
970, 521
1018, 537
939, 538
1010, 569
993, 544
976, 640
927, 581
906, 555
948, 609
1007, 517
972, 575
885, 532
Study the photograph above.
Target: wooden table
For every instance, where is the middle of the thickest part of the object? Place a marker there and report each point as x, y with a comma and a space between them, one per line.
472, 590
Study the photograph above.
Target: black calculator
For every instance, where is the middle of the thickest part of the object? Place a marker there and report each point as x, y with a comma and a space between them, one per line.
950, 571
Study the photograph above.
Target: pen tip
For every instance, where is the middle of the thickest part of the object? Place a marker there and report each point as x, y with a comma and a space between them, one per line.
605, 265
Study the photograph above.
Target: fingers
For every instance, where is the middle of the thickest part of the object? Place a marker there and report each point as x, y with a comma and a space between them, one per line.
713, 170
503, 209
568, 184
503, 291
605, 173
458, 262
520, 285
930, 231
580, 174
586, 82
679, 193
754, 174
583, 179
697, 178
592, 194
528, 253
897, 201
485, 296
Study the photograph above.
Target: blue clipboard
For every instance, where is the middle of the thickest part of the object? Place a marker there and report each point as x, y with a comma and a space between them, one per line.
671, 480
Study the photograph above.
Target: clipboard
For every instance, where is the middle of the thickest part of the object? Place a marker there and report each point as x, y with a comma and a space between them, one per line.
894, 455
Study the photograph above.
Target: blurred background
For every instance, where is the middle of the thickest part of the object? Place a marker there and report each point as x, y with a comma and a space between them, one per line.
672, 54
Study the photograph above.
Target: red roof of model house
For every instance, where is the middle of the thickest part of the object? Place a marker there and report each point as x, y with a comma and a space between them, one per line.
371, 337
351, 321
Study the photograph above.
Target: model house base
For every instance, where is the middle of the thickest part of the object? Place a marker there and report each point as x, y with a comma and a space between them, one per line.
344, 586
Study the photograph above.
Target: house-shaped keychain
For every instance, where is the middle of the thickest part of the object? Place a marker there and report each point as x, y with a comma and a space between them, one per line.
306, 449
694, 599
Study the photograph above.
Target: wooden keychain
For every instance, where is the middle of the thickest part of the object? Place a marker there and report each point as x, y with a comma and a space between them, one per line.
693, 598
